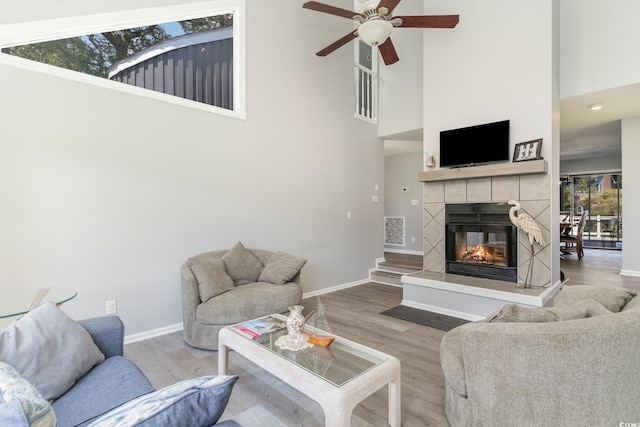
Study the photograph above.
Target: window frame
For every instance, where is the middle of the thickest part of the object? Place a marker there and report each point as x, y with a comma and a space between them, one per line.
54, 29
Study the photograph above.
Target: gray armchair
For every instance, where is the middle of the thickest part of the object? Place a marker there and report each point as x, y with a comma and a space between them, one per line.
240, 301
582, 371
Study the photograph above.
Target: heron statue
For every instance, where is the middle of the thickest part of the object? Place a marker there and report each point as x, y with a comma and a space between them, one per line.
529, 225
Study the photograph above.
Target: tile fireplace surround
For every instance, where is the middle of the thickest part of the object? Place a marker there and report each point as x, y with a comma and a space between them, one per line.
526, 182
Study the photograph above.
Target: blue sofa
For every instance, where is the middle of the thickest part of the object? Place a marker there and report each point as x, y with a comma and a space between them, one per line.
109, 384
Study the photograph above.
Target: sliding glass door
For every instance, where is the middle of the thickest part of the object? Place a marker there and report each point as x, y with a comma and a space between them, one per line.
599, 198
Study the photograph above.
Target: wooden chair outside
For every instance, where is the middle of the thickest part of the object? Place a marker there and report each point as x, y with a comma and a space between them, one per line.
573, 242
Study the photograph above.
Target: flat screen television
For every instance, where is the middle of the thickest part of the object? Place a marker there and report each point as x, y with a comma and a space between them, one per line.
475, 145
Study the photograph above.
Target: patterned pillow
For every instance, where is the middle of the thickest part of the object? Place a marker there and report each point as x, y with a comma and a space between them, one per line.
196, 402
49, 349
281, 267
20, 403
242, 265
212, 277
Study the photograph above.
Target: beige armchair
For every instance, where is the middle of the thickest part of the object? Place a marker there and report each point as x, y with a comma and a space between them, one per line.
221, 288
540, 370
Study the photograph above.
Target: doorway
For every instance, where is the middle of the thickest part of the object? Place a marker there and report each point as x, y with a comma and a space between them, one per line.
599, 198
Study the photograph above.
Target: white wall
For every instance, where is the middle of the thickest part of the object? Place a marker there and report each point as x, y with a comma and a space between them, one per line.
599, 45
400, 107
401, 173
499, 63
631, 203
109, 193
493, 66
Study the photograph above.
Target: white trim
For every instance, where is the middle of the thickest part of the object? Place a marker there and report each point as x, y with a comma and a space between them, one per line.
73, 26
128, 339
440, 310
539, 300
631, 273
53, 29
335, 288
386, 283
404, 251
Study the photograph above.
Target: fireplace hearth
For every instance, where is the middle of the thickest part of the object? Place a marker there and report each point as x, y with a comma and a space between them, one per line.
481, 241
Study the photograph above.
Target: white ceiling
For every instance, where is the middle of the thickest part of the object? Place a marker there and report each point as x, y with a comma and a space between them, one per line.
586, 133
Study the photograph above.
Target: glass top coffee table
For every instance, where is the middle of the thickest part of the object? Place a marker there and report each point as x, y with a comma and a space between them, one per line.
15, 302
338, 377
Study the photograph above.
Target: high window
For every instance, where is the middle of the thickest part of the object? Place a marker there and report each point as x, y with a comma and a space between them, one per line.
366, 82
193, 53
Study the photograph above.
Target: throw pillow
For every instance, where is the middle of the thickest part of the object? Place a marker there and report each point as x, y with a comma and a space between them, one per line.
614, 299
20, 403
193, 403
281, 267
634, 304
593, 307
212, 277
49, 349
516, 313
242, 265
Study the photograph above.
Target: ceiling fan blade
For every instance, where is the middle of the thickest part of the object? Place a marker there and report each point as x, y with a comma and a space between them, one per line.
338, 43
388, 52
433, 21
389, 4
332, 10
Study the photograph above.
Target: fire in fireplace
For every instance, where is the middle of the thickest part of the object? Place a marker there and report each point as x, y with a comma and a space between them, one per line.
481, 241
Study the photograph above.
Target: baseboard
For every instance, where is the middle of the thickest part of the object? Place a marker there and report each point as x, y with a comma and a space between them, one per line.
386, 284
404, 251
630, 273
128, 339
440, 310
335, 288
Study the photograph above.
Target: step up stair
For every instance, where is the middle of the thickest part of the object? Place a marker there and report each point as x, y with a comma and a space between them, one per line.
393, 266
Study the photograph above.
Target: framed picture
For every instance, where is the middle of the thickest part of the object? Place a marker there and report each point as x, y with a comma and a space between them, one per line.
529, 150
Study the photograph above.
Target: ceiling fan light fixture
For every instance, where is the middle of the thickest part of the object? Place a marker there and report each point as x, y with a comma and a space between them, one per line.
375, 32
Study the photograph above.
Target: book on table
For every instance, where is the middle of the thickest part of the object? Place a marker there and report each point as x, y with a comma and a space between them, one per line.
256, 328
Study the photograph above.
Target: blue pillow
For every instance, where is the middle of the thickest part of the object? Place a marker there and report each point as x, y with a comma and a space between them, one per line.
20, 403
196, 402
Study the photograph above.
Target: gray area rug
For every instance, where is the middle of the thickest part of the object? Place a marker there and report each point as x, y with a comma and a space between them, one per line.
425, 318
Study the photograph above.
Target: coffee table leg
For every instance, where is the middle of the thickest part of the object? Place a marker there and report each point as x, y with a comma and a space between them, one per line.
395, 407
223, 359
337, 417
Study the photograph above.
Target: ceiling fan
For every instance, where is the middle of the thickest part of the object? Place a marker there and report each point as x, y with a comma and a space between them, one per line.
375, 24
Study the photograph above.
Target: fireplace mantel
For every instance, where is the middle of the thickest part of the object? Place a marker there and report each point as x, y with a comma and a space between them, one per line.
499, 169
440, 292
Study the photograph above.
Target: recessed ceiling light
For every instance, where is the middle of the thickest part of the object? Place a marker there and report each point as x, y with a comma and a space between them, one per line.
594, 107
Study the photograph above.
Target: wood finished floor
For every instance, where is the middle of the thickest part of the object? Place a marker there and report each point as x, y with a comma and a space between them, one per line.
597, 267
260, 399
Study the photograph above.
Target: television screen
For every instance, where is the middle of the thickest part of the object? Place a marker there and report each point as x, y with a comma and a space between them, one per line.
475, 145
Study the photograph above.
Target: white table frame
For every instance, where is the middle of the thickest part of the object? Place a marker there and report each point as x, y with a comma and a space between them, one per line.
338, 403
